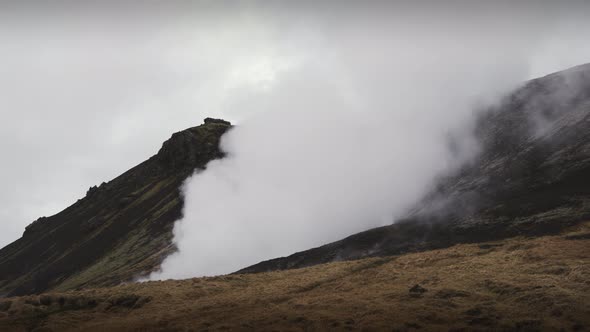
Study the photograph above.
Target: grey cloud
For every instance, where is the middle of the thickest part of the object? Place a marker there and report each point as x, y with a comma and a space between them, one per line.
351, 135
88, 91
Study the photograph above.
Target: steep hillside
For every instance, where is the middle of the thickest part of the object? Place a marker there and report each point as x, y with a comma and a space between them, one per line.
120, 229
530, 178
519, 284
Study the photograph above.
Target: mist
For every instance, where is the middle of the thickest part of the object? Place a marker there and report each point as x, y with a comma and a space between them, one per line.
350, 125
326, 97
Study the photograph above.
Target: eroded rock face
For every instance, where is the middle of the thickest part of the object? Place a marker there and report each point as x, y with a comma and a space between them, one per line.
35, 227
119, 230
530, 178
193, 147
217, 121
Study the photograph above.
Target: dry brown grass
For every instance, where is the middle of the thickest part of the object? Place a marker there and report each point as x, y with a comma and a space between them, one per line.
517, 284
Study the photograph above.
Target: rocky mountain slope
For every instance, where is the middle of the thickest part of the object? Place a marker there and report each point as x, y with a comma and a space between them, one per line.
517, 284
119, 230
530, 178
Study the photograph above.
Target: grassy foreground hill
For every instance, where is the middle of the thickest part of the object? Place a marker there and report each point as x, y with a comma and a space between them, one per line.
516, 284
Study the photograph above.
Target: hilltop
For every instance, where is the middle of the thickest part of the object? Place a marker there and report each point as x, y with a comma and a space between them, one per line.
122, 229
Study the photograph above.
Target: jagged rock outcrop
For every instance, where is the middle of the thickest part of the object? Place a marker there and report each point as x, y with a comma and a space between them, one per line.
120, 230
530, 178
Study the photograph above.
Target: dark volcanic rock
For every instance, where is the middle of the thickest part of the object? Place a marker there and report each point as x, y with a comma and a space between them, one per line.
194, 147
217, 121
531, 178
35, 227
119, 230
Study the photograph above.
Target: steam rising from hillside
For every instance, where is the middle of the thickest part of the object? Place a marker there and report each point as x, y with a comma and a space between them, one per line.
353, 117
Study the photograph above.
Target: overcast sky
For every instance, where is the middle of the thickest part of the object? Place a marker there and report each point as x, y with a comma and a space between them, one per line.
86, 92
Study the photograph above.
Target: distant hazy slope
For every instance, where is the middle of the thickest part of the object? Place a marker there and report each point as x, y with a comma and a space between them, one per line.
118, 230
532, 177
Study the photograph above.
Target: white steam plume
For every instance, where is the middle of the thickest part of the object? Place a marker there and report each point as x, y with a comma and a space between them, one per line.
351, 122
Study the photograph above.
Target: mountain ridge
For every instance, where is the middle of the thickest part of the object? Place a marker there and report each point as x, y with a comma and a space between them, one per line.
118, 230
528, 180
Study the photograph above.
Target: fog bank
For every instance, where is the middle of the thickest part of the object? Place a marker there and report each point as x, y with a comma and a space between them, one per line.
351, 125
